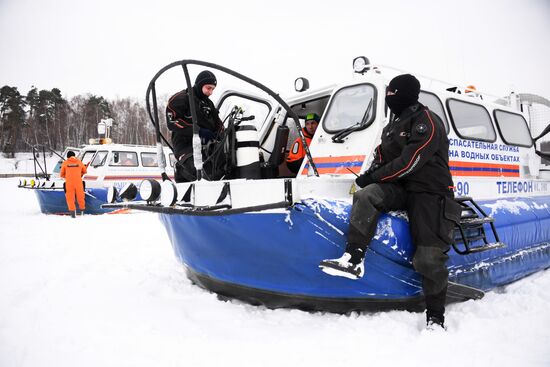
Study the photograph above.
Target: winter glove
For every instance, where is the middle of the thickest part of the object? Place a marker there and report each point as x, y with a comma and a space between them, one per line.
364, 180
206, 135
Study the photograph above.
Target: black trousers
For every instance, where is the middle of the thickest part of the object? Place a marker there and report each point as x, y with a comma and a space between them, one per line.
184, 169
431, 231
214, 163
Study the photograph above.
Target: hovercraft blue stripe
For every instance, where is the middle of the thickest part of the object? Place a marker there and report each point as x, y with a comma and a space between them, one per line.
483, 169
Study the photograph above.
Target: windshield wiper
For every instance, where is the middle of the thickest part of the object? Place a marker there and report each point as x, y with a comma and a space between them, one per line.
339, 138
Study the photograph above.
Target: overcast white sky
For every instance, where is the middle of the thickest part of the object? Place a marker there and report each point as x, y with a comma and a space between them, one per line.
113, 48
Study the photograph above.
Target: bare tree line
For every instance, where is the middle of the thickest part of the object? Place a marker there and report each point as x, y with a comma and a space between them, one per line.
45, 117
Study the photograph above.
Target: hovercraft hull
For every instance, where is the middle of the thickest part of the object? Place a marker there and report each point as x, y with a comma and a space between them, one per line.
272, 258
54, 202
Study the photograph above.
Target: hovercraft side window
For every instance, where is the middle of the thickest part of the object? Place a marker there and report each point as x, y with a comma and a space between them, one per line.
471, 121
87, 156
149, 160
349, 106
57, 167
99, 159
513, 128
301, 109
434, 104
251, 107
124, 159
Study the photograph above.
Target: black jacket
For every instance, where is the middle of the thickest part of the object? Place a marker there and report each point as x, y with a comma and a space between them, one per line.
178, 118
414, 151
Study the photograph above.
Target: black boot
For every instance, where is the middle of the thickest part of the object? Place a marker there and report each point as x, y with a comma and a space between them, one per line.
357, 253
435, 320
435, 310
73, 214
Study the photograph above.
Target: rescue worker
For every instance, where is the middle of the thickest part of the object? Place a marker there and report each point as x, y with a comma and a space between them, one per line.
179, 120
297, 151
72, 171
410, 171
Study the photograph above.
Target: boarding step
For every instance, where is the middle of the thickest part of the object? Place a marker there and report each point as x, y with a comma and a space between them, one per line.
486, 247
472, 222
470, 235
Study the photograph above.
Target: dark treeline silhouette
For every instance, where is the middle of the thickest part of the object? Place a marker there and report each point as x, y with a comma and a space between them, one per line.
45, 117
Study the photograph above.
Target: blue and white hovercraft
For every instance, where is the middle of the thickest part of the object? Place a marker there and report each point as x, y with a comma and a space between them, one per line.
110, 167
259, 234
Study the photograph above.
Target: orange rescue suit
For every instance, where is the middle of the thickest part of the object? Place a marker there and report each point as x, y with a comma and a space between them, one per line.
72, 170
297, 152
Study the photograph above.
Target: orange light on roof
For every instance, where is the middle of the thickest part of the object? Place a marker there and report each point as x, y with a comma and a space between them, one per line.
470, 88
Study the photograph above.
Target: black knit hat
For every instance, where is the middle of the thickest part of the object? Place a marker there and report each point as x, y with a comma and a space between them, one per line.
405, 84
205, 77
70, 154
406, 89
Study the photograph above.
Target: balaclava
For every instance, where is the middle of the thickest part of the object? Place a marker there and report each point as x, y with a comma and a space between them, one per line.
406, 88
204, 77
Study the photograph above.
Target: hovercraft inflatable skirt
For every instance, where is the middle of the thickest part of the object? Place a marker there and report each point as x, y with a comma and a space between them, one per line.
54, 202
272, 257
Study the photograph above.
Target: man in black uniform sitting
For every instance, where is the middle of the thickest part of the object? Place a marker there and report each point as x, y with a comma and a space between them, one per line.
410, 171
179, 120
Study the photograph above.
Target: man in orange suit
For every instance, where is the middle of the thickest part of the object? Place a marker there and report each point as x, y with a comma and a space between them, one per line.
297, 151
72, 171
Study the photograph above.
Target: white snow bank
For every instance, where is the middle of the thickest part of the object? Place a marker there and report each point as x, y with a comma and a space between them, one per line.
108, 291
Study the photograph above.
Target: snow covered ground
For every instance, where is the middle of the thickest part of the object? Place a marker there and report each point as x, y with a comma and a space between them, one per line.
108, 291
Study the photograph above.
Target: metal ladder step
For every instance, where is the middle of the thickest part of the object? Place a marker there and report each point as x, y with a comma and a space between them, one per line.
471, 222
472, 229
489, 246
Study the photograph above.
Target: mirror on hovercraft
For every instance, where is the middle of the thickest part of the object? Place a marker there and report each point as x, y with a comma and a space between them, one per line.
544, 155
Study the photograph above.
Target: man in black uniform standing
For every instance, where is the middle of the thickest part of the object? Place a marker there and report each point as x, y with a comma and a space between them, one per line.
179, 120
410, 171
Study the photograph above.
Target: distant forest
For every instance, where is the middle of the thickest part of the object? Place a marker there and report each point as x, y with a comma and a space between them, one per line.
45, 117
